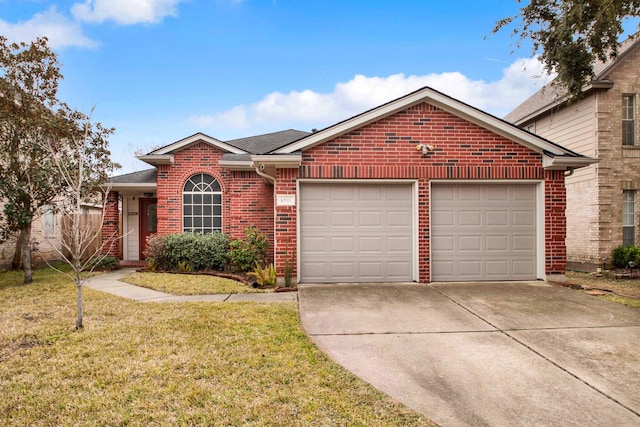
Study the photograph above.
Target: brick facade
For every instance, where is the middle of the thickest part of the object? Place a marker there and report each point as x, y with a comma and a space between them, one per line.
246, 199
111, 242
386, 149
373, 146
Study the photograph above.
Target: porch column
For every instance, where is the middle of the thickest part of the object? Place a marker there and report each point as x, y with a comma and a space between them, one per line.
111, 226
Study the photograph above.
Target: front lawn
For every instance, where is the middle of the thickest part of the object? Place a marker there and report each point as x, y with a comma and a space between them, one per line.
169, 364
189, 284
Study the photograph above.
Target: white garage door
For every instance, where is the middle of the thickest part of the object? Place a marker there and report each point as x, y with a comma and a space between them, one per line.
356, 232
483, 232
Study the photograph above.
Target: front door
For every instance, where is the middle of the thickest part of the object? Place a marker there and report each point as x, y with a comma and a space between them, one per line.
148, 221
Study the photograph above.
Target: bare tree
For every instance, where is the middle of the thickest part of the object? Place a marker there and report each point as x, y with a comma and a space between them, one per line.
83, 165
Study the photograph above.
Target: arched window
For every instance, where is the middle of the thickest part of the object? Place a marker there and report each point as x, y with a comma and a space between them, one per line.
202, 204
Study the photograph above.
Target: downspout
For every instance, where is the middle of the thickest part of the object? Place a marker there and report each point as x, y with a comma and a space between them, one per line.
260, 171
569, 172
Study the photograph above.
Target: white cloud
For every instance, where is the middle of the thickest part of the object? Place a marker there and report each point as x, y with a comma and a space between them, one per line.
59, 29
521, 79
125, 12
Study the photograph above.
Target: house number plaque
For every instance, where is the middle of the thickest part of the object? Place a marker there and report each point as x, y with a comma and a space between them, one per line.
286, 200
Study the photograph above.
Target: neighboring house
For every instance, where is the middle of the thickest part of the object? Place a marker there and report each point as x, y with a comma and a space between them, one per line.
423, 188
47, 234
602, 210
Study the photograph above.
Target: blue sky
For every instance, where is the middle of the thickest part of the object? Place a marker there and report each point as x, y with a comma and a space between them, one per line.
161, 70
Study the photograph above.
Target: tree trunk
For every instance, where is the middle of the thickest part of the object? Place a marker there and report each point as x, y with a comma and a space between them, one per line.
17, 255
80, 310
26, 254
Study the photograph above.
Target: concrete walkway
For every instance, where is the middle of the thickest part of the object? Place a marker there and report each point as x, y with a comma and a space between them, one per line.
110, 282
485, 354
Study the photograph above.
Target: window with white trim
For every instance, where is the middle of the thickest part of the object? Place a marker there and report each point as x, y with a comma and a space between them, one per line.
201, 204
629, 217
628, 119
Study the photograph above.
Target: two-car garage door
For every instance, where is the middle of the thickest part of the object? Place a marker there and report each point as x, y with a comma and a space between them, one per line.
366, 232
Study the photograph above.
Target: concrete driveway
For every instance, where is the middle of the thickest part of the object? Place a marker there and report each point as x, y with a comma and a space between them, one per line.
485, 353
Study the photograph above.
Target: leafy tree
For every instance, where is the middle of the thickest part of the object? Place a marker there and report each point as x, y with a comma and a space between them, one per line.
29, 76
571, 35
36, 130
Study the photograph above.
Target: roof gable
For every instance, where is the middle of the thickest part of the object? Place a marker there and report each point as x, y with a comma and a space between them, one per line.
553, 95
195, 138
439, 100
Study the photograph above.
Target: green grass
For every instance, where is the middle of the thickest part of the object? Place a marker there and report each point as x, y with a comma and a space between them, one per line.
169, 364
631, 302
189, 284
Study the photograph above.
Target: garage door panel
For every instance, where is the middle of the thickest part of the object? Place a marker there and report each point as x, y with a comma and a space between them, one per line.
399, 245
469, 243
369, 194
370, 245
398, 219
468, 194
469, 218
523, 219
370, 227
497, 243
342, 245
344, 193
497, 194
523, 268
497, 269
483, 231
316, 244
469, 268
497, 219
443, 217
523, 243
342, 219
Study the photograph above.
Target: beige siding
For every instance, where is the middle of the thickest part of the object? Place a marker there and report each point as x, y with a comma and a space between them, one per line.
47, 241
573, 127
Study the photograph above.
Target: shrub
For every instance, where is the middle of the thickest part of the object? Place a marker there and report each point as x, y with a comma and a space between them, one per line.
264, 276
187, 252
621, 256
244, 254
155, 254
105, 263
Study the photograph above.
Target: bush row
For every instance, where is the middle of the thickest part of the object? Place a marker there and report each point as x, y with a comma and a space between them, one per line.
202, 252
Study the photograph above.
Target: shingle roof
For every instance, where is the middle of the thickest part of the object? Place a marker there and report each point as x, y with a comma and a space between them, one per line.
147, 176
552, 94
261, 144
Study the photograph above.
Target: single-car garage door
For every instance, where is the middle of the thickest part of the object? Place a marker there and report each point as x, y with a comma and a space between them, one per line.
483, 232
356, 232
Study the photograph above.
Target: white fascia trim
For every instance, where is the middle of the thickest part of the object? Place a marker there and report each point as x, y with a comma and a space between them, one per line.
279, 161
131, 187
566, 163
436, 99
157, 159
237, 165
195, 138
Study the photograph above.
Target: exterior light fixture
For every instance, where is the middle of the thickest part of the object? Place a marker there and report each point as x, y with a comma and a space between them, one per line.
425, 148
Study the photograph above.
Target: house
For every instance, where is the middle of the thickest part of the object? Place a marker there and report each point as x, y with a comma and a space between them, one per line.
423, 188
48, 234
602, 211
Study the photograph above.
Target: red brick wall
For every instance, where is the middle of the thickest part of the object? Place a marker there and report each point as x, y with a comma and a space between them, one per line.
555, 222
111, 243
387, 150
246, 199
